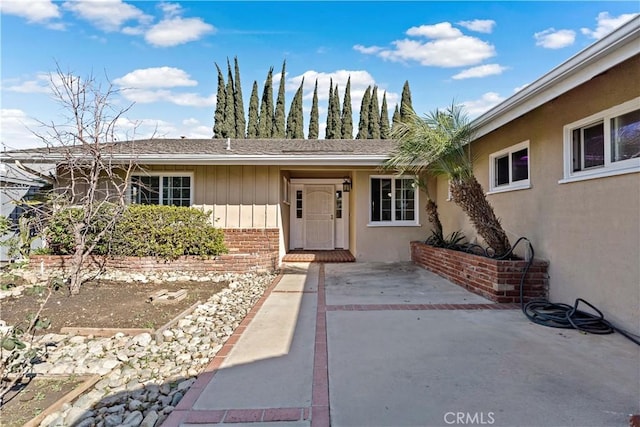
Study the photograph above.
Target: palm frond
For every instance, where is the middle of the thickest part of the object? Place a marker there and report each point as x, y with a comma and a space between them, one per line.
437, 143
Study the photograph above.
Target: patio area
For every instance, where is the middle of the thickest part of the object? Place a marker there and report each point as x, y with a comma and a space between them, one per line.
391, 344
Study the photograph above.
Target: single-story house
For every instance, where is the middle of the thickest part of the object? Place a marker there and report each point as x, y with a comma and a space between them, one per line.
559, 160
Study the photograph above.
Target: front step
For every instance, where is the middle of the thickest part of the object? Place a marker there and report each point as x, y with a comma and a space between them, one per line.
338, 255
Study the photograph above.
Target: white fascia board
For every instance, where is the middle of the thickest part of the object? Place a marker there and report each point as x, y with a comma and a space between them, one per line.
262, 160
199, 159
613, 49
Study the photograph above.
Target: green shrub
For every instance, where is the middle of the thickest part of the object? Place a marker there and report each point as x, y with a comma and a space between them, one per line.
166, 232
60, 234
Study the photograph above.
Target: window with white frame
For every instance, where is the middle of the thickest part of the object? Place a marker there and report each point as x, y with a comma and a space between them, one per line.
606, 143
175, 190
393, 201
509, 168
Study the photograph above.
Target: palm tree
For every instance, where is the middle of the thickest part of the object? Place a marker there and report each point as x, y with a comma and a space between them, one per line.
438, 144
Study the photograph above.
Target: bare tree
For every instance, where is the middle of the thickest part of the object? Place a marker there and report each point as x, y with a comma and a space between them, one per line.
92, 180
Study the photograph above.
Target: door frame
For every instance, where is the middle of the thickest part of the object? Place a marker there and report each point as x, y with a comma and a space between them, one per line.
341, 226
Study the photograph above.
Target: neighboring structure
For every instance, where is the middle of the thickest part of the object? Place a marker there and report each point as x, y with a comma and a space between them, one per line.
560, 161
16, 185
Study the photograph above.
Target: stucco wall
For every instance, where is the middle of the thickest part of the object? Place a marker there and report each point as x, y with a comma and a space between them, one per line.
588, 230
380, 243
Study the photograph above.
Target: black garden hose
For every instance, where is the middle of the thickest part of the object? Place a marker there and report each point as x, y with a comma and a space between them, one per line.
564, 316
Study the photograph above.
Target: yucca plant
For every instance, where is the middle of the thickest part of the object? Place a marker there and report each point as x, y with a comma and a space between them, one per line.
439, 144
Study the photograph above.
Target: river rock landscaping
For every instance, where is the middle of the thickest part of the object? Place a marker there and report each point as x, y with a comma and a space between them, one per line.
143, 379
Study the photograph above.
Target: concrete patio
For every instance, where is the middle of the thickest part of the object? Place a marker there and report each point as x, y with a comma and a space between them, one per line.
374, 344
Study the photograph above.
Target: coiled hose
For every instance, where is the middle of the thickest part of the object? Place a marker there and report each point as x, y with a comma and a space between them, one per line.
564, 316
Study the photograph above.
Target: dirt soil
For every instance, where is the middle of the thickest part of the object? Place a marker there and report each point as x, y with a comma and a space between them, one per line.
105, 304
28, 399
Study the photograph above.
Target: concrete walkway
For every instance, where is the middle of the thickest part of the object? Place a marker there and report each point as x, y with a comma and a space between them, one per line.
375, 344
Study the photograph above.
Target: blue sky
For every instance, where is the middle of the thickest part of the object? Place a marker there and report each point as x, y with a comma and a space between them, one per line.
162, 54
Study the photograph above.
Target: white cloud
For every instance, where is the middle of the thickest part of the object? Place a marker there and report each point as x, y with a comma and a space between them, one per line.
450, 52
16, 130
442, 30
367, 50
480, 71
478, 106
155, 78
170, 9
479, 25
108, 15
448, 47
606, 24
149, 85
148, 96
33, 10
190, 121
552, 39
519, 88
41, 84
176, 30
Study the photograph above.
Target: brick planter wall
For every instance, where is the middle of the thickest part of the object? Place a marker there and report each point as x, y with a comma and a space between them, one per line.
496, 280
251, 240
249, 250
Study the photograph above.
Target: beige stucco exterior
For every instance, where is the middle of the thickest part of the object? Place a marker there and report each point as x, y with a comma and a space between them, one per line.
589, 230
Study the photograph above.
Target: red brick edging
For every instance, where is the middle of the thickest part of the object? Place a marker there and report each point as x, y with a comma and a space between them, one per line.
320, 394
399, 307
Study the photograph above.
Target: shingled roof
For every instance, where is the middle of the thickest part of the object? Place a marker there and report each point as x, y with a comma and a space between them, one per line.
229, 151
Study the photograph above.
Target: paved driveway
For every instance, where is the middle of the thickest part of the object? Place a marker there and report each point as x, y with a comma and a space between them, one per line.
369, 344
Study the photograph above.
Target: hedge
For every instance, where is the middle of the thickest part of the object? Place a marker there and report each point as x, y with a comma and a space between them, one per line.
166, 232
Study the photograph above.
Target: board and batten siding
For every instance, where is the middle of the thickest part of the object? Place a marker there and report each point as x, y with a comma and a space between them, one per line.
239, 196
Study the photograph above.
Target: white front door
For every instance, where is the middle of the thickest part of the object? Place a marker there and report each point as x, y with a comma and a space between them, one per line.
318, 219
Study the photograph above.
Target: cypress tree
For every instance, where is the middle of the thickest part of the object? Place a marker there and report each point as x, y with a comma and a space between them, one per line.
374, 116
278, 130
229, 108
363, 124
313, 121
295, 119
221, 100
238, 103
406, 108
328, 131
252, 127
396, 117
385, 130
265, 121
337, 117
347, 115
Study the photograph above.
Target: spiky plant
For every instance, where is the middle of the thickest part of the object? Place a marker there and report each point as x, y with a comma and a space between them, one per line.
439, 144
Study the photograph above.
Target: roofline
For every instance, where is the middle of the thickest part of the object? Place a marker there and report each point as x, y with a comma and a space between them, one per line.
607, 52
237, 159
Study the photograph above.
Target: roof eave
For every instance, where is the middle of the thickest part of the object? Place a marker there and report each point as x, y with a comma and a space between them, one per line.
199, 159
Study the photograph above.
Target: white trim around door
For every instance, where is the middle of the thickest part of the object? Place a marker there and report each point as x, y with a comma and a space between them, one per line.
305, 230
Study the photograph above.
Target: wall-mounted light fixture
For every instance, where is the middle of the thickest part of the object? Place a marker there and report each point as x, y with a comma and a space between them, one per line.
346, 184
